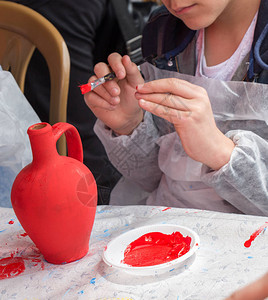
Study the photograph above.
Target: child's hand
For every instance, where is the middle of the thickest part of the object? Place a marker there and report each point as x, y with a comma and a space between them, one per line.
187, 106
257, 290
114, 102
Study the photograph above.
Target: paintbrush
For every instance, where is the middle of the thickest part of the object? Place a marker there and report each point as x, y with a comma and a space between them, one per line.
90, 86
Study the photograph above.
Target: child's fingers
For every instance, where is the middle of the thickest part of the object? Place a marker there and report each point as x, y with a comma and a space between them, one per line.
257, 290
167, 100
133, 74
97, 100
101, 69
172, 115
115, 63
174, 86
102, 92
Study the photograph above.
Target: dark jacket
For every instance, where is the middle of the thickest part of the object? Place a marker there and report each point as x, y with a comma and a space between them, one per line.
91, 32
78, 22
166, 38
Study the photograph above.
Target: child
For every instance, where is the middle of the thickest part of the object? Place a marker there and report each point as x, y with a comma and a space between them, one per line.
257, 290
196, 137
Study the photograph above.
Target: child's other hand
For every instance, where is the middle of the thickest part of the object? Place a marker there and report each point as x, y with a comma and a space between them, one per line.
114, 102
257, 290
188, 107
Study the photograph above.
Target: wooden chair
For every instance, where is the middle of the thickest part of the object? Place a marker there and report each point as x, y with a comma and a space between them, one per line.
21, 31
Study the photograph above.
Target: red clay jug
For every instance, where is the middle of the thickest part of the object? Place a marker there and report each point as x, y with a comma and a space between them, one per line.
55, 197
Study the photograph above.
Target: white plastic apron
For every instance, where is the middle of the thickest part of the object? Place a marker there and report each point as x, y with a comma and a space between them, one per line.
236, 105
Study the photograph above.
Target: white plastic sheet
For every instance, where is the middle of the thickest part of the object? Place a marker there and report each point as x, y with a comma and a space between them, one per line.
222, 263
16, 115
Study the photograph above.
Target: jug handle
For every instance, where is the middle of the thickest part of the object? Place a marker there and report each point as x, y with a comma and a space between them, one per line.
74, 144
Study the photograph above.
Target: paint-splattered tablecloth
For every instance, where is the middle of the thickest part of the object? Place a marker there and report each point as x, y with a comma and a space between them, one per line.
221, 265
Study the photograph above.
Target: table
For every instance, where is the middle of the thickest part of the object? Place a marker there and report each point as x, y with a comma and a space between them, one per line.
222, 263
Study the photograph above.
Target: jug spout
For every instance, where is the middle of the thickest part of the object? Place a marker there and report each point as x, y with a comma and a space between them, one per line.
42, 141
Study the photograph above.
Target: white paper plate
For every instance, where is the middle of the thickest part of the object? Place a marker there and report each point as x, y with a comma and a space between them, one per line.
113, 254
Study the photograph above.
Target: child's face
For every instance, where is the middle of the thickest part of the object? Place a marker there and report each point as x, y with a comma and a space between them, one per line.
198, 14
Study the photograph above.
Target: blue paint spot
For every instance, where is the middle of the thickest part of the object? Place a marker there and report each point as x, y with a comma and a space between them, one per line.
172, 270
67, 292
250, 257
50, 273
81, 292
102, 211
93, 281
2, 230
190, 186
101, 236
105, 230
126, 224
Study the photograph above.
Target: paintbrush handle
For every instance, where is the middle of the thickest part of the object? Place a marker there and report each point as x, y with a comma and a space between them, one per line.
90, 86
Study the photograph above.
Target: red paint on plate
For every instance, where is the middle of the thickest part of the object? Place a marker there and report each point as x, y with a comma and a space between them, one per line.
156, 248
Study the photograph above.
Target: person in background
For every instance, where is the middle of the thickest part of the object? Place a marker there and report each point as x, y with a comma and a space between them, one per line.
91, 32
192, 134
78, 22
257, 290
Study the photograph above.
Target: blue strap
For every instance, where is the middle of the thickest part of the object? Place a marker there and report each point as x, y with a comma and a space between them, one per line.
181, 47
260, 40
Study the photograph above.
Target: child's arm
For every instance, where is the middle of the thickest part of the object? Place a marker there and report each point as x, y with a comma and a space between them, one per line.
134, 156
243, 182
257, 290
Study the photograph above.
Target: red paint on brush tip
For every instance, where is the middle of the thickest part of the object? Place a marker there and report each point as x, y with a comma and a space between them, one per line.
247, 243
85, 88
156, 248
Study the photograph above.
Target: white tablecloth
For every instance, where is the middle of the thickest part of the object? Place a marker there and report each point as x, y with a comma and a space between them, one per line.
222, 263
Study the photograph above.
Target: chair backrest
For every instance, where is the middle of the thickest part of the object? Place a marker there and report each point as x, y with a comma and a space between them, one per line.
21, 31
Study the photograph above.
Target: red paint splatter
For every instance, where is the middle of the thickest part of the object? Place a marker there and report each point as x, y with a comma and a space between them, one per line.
11, 267
156, 248
15, 265
166, 208
11, 222
20, 236
247, 243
